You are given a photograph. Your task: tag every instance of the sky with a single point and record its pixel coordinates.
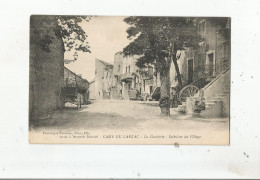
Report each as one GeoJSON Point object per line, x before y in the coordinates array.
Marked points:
{"type": "Point", "coordinates": [106, 36]}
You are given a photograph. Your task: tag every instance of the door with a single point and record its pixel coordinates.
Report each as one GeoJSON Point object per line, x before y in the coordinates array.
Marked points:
{"type": "Point", "coordinates": [190, 71]}
{"type": "Point", "coordinates": [151, 90]}
{"type": "Point", "coordinates": [211, 64]}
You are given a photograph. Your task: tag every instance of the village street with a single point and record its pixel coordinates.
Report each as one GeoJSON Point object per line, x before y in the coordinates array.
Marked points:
{"type": "Point", "coordinates": [116, 80]}
{"type": "Point", "coordinates": [130, 117]}
{"type": "Point", "coordinates": [120, 114]}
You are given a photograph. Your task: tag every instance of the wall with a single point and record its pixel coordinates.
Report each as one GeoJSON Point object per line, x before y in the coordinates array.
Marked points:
{"type": "Point", "coordinates": [107, 81]}
{"type": "Point", "coordinates": [130, 61]}
{"type": "Point", "coordinates": [221, 83]}
{"type": "Point", "coordinates": [220, 87]}
{"type": "Point", "coordinates": [46, 68]}
{"type": "Point", "coordinates": [118, 64]}
{"type": "Point", "coordinates": [92, 90]}
{"type": "Point", "coordinates": [121, 71]}
{"type": "Point", "coordinates": [103, 79]}
{"type": "Point", "coordinates": [99, 72]}
{"type": "Point", "coordinates": [213, 43]}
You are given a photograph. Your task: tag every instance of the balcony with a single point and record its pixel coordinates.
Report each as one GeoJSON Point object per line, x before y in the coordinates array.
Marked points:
{"type": "Point", "coordinates": [126, 77]}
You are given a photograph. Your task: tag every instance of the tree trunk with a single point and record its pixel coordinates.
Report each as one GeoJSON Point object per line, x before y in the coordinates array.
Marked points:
{"type": "Point", "coordinates": [164, 101]}
{"type": "Point", "coordinates": [174, 60]}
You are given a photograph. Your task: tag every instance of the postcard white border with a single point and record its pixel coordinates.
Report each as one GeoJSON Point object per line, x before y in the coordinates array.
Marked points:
{"type": "Point", "coordinates": [19, 159]}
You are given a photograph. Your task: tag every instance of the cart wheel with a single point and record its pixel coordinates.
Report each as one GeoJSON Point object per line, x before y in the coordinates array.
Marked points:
{"type": "Point", "coordinates": [187, 91]}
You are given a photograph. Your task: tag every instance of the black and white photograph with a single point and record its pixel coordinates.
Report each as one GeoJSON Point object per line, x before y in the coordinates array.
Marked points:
{"type": "Point", "coordinates": [139, 89]}
{"type": "Point", "coordinates": [129, 80]}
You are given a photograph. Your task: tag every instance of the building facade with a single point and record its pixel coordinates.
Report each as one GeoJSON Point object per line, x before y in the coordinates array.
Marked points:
{"type": "Point", "coordinates": [208, 66]}
{"type": "Point", "coordinates": [131, 82]}
{"type": "Point", "coordinates": [92, 90]}
{"type": "Point", "coordinates": [103, 79]}
{"type": "Point", "coordinates": [201, 65]}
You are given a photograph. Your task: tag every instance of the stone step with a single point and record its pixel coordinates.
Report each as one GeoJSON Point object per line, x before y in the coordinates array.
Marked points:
{"type": "Point", "coordinates": [209, 104]}
{"type": "Point", "coordinates": [226, 91]}
{"type": "Point", "coordinates": [215, 98]}
{"type": "Point", "coordinates": [211, 101]}
{"type": "Point", "coordinates": [213, 111]}
{"type": "Point", "coordinates": [221, 94]}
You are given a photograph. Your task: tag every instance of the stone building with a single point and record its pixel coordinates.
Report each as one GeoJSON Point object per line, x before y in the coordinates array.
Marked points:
{"type": "Point", "coordinates": [116, 88]}
{"type": "Point", "coordinates": [131, 82]}
{"type": "Point", "coordinates": [201, 65]}
{"type": "Point", "coordinates": [103, 79]}
{"type": "Point", "coordinates": [72, 79]}
{"type": "Point", "coordinates": [92, 90]}
{"type": "Point", "coordinates": [126, 78]}
{"type": "Point", "coordinates": [46, 67]}
{"type": "Point", "coordinates": [208, 67]}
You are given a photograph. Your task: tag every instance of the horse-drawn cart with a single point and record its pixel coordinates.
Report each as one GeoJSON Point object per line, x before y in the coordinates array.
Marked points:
{"type": "Point", "coordinates": [187, 91]}
{"type": "Point", "coordinates": [179, 99]}
{"type": "Point", "coordinates": [72, 95]}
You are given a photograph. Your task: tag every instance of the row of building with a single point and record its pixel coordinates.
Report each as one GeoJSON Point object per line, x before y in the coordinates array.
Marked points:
{"type": "Point", "coordinates": [124, 80]}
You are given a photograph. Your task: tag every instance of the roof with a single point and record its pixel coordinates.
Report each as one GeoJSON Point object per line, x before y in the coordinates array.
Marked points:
{"type": "Point", "coordinates": [75, 74]}
{"type": "Point", "coordinates": [105, 63]}
{"type": "Point", "coordinates": [92, 81]}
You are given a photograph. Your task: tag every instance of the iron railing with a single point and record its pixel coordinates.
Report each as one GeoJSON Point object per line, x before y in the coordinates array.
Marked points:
{"type": "Point", "coordinates": [126, 76]}
{"type": "Point", "coordinates": [203, 73]}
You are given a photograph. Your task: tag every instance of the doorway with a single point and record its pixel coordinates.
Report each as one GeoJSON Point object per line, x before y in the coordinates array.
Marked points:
{"type": "Point", "coordinates": [151, 90]}
{"type": "Point", "coordinates": [211, 63]}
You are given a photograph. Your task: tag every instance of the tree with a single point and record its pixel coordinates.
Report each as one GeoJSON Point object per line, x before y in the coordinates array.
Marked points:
{"type": "Point", "coordinates": [66, 27]}
{"type": "Point", "coordinates": [50, 36]}
{"type": "Point", "coordinates": [156, 40]}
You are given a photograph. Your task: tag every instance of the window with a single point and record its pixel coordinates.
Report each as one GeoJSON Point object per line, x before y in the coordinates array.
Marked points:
{"type": "Point", "coordinates": [129, 69]}
{"type": "Point", "coordinates": [202, 28]}
{"type": "Point", "coordinates": [118, 68]}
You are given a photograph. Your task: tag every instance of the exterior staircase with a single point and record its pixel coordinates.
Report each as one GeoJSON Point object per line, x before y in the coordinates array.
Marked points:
{"type": "Point", "coordinates": [218, 105]}
{"type": "Point", "coordinates": [217, 97]}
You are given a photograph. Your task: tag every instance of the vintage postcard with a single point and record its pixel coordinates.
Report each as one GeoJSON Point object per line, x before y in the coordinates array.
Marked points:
{"type": "Point", "coordinates": [129, 80]}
